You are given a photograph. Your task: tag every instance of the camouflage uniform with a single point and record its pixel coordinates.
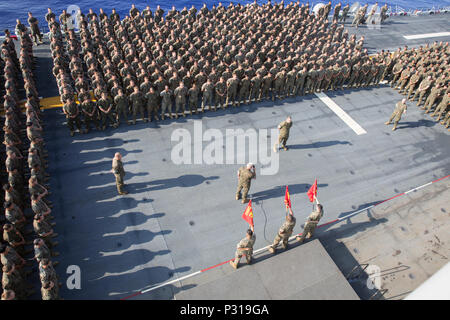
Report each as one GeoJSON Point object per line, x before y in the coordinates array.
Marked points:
{"type": "Point", "coordinates": [207, 97]}
{"type": "Point", "coordinates": [232, 85]}
{"type": "Point", "coordinates": [245, 179]}
{"type": "Point", "coordinates": [193, 99]}
{"type": "Point", "coordinates": [166, 103]}
{"type": "Point", "coordinates": [180, 94]}
{"type": "Point", "coordinates": [105, 103]}
{"type": "Point", "coordinates": [284, 127]}
{"type": "Point", "coordinates": [244, 91]}
{"type": "Point", "coordinates": [152, 105]}
{"type": "Point", "coordinates": [400, 108]}
{"type": "Point", "coordinates": [119, 173]}
{"type": "Point", "coordinates": [121, 102]}
{"type": "Point", "coordinates": [72, 116]}
{"type": "Point", "coordinates": [221, 91]}
{"type": "Point", "coordinates": [244, 243]}
{"type": "Point", "coordinates": [283, 234]}
{"type": "Point", "coordinates": [311, 225]}
{"type": "Point", "coordinates": [137, 102]}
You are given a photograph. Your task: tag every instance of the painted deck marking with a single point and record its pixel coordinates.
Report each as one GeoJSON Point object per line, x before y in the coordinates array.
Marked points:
{"type": "Point", "coordinates": [154, 287]}
{"type": "Point", "coordinates": [427, 35]}
{"type": "Point", "coordinates": [341, 113]}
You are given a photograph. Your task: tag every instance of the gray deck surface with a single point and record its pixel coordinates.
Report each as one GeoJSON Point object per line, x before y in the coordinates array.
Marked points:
{"type": "Point", "coordinates": [304, 272]}
{"type": "Point", "coordinates": [179, 219]}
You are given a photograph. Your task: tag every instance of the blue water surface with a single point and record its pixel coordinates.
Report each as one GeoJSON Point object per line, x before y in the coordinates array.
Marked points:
{"type": "Point", "coordinates": [12, 10]}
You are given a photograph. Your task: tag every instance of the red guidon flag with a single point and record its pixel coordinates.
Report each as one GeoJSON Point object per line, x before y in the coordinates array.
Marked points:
{"type": "Point", "coordinates": [312, 192]}
{"type": "Point", "coordinates": [287, 198]}
{"type": "Point", "coordinates": [248, 214]}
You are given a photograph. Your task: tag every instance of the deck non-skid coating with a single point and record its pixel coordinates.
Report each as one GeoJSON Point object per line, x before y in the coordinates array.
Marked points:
{"type": "Point", "coordinates": [303, 272]}
{"type": "Point", "coordinates": [179, 219]}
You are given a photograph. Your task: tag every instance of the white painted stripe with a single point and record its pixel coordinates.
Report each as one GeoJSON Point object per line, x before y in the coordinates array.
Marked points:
{"type": "Point", "coordinates": [341, 113]}
{"type": "Point", "coordinates": [427, 35]}
{"type": "Point", "coordinates": [170, 282]}
{"type": "Point", "coordinates": [415, 189]}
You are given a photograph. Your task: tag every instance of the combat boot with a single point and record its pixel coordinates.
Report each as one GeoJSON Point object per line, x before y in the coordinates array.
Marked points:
{"type": "Point", "coordinates": [395, 127]}
{"type": "Point", "coordinates": [184, 115]}
{"type": "Point", "coordinates": [299, 239]}
{"type": "Point", "coordinates": [176, 115]}
{"type": "Point", "coordinates": [387, 123]}
{"type": "Point", "coordinates": [275, 149]}
{"type": "Point", "coordinates": [72, 133]}
{"type": "Point", "coordinates": [249, 260]}
{"type": "Point", "coordinates": [245, 200]}
{"type": "Point", "coordinates": [272, 250]}
{"type": "Point", "coordinates": [234, 265]}
{"type": "Point", "coordinates": [285, 148]}
{"type": "Point", "coordinates": [238, 196]}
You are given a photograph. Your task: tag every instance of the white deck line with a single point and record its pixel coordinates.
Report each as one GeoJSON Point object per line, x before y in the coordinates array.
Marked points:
{"type": "Point", "coordinates": [341, 113]}
{"type": "Point", "coordinates": [427, 35]}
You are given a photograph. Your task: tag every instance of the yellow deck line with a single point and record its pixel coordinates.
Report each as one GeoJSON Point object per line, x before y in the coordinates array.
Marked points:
{"type": "Point", "coordinates": [53, 102]}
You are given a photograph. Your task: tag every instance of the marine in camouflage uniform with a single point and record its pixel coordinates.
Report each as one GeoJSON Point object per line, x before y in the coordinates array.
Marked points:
{"type": "Point", "coordinates": [70, 109]}
{"type": "Point", "coordinates": [232, 86]}
{"type": "Point", "coordinates": [244, 248]}
{"type": "Point", "coordinates": [412, 84]}
{"type": "Point", "coordinates": [244, 91]}
{"type": "Point", "coordinates": [166, 103]}
{"type": "Point", "coordinates": [279, 85]}
{"type": "Point", "coordinates": [119, 173]}
{"type": "Point", "coordinates": [345, 11]}
{"type": "Point", "coordinates": [180, 94]}
{"type": "Point", "coordinates": [90, 112]}
{"type": "Point", "coordinates": [290, 89]}
{"type": "Point", "coordinates": [193, 93]}
{"type": "Point", "coordinates": [221, 91]}
{"type": "Point", "coordinates": [284, 128]}
{"type": "Point", "coordinates": [441, 107]}
{"type": "Point", "coordinates": [245, 176]}
{"type": "Point", "coordinates": [152, 104]}
{"type": "Point", "coordinates": [106, 111]}
{"type": "Point", "coordinates": [266, 86]}
{"type": "Point", "coordinates": [400, 109]}
{"type": "Point", "coordinates": [50, 291]}
{"type": "Point", "coordinates": [311, 223]}
{"type": "Point", "coordinates": [256, 83]}
{"type": "Point", "coordinates": [137, 100]}
{"type": "Point", "coordinates": [432, 98]}
{"type": "Point", "coordinates": [284, 232]}
{"type": "Point", "coordinates": [121, 103]}
{"type": "Point", "coordinates": [424, 85]}
{"type": "Point", "coordinates": [207, 95]}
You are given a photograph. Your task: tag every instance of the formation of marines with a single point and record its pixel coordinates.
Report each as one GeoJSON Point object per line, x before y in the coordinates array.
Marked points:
{"type": "Point", "coordinates": [148, 66]}
{"type": "Point", "coordinates": [24, 178]}
{"type": "Point", "coordinates": [245, 246]}
{"type": "Point", "coordinates": [423, 74]}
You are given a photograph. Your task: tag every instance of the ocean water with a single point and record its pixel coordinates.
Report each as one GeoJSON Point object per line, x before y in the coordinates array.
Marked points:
{"type": "Point", "coordinates": [12, 10]}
